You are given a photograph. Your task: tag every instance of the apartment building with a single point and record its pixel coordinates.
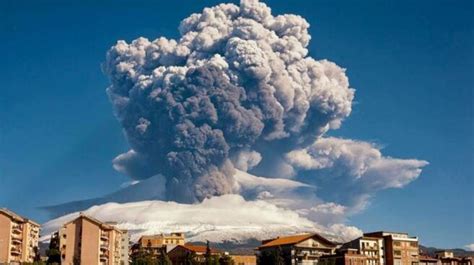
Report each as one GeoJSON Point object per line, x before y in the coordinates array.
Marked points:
{"type": "Point", "coordinates": [18, 238]}
{"type": "Point", "coordinates": [156, 242]}
{"type": "Point", "coordinates": [345, 256]}
{"type": "Point", "coordinates": [400, 248]}
{"type": "Point", "coordinates": [297, 249]}
{"type": "Point", "coordinates": [88, 241]}
{"type": "Point", "coordinates": [371, 247]}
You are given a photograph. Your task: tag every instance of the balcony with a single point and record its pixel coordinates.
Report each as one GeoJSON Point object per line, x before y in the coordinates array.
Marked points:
{"type": "Point", "coordinates": [369, 248]}
{"type": "Point", "coordinates": [104, 236]}
{"type": "Point", "coordinates": [17, 229]}
{"type": "Point", "coordinates": [104, 256]}
{"type": "Point", "coordinates": [16, 240]}
{"type": "Point", "coordinates": [15, 251]}
{"type": "Point", "coordinates": [104, 246]}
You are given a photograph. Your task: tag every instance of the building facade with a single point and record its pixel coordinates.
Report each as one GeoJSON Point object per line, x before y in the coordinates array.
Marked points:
{"type": "Point", "coordinates": [191, 254]}
{"type": "Point", "coordinates": [400, 249]}
{"type": "Point", "coordinates": [299, 249]}
{"type": "Point", "coordinates": [447, 258]}
{"type": "Point", "coordinates": [88, 241]}
{"type": "Point", "coordinates": [244, 259]}
{"type": "Point", "coordinates": [344, 257]}
{"type": "Point", "coordinates": [371, 247]}
{"type": "Point", "coordinates": [156, 242]}
{"type": "Point", "coordinates": [18, 238]}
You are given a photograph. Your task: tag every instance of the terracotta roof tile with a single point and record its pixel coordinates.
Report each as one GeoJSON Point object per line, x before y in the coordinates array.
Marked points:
{"type": "Point", "coordinates": [289, 240]}
{"type": "Point", "coordinates": [201, 249]}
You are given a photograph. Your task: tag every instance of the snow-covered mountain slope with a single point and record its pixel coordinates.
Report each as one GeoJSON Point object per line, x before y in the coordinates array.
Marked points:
{"type": "Point", "coordinates": [228, 217]}
{"type": "Point", "coordinates": [154, 189]}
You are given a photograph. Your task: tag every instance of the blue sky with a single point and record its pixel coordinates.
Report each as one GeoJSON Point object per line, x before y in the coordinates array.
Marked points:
{"type": "Point", "coordinates": [411, 63]}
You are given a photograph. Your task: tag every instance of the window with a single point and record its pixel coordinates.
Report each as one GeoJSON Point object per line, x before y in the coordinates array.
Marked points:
{"type": "Point", "coordinates": [397, 253]}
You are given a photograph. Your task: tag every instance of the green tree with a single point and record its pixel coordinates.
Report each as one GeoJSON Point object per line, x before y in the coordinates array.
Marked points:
{"type": "Point", "coordinates": [53, 253]}
{"type": "Point", "coordinates": [190, 258]}
{"type": "Point", "coordinates": [208, 254]}
{"type": "Point", "coordinates": [164, 259]}
{"type": "Point", "coordinates": [143, 257]}
{"type": "Point", "coordinates": [271, 257]}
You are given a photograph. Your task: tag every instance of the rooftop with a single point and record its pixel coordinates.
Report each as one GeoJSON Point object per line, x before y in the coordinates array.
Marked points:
{"type": "Point", "coordinates": [290, 240]}
{"type": "Point", "coordinates": [17, 217]}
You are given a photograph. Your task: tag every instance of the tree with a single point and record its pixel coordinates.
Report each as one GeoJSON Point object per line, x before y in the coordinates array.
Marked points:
{"type": "Point", "coordinates": [164, 259]}
{"type": "Point", "coordinates": [190, 258]}
{"type": "Point", "coordinates": [278, 257]}
{"type": "Point", "coordinates": [208, 254]}
{"type": "Point", "coordinates": [272, 257]}
{"type": "Point", "coordinates": [37, 254]}
{"type": "Point", "coordinates": [142, 257]}
{"type": "Point", "coordinates": [53, 253]}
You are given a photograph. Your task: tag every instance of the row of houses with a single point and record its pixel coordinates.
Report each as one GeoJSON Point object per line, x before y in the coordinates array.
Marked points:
{"type": "Point", "coordinates": [86, 240]}
{"type": "Point", "coordinates": [376, 248]}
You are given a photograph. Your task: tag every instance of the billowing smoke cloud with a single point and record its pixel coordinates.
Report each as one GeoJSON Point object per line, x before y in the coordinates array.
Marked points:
{"type": "Point", "coordinates": [358, 169]}
{"type": "Point", "coordinates": [237, 82]}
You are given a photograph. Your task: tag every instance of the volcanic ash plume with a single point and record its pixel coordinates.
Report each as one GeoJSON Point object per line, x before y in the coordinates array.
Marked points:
{"type": "Point", "coordinates": [237, 81]}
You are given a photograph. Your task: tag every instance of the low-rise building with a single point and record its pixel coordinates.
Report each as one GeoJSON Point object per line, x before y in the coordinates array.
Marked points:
{"type": "Point", "coordinates": [244, 259]}
{"type": "Point", "coordinates": [427, 260]}
{"type": "Point", "coordinates": [86, 240]}
{"type": "Point", "coordinates": [18, 238]}
{"type": "Point", "coordinates": [183, 254]}
{"type": "Point", "coordinates": [447, 258]}
{"type": "Point", "coordinates": [344, 257]}
{"type": "Point", "coordinates": [156, 242]}
{"type": "Point", "coordinates": [297, 249]}
{"type": "Point", "coordinates": [371, 247]}
{"type": "Point", "coordinates": [400, 249]}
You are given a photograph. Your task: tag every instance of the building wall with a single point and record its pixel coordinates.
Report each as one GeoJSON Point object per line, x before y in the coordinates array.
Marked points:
{"type": "Point", "coordinates": [157, 241]}
{"type": "Point", "coordinates": [30, 240]}
{"type": "Point", "coordinates": [124, 248]}
{"type": "Point", "coordinates": [18, 237]}
{"type": "Point", "coordinates": [401, 252]}
{"type": "Point", "coordinates": [244, 259]}
{"type": "Point", "coordinates": [90, 242]}
{"type": "Point", "coordinates": [5, 238]}
{"type": "Point", "coordinates": [69, 242]}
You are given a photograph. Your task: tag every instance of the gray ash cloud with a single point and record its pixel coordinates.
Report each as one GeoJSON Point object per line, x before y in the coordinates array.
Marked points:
{"type": "Point", "coordinates": [236, 87]}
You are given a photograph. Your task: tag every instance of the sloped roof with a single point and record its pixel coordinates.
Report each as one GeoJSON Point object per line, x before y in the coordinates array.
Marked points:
{"type": "Point", "coordinates": [195, 248]}
{"type": "Point", "coordinates": [99, 223]}
{"type": "Point", "coordinates": [17, 217]}
{"type": "Point", "coordinates": [291, 240]}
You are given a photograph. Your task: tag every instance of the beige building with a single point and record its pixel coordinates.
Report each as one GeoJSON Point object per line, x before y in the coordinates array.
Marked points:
{"type": "Point", "coordinates": [371, 247]}
{"type": "Point", "coordinates": [18, 238]}
{"type": "Point", "coordinates": [244, 259]}
{"type": "Point", "coordinates": [156, 242]}
{"type": "Point", "coordinates": [400, 249]}
{"type": "Point", "coordinates": [88, 241]}
{"type": "Point", "coordinates": [346, 256]}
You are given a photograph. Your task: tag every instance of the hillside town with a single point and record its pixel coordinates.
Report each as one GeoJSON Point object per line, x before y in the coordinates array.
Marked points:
{"type": "Point", "coordinates": [88, 241]}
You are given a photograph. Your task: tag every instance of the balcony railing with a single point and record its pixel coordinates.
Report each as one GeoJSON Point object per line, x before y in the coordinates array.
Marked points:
{"type": "Point", "coordinates": [16, 240]}
{"type": "Point", "coordinates": [17, 229]}
{"type": "Point", "coordinates": [15, 251]}
{"type": "Point", "coordinates": [104, 236]}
